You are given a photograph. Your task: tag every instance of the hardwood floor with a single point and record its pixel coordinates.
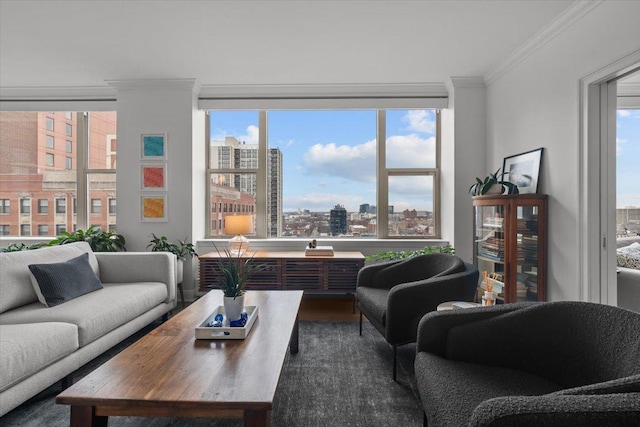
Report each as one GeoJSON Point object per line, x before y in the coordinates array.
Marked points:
{"type": "Point", "coordinates": [313, 308]}
{"type": "Point", "coordinates": [317, 308]}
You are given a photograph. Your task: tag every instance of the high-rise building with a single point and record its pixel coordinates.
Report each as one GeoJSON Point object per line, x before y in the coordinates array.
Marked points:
{"type": "Point", "coordinates": [234, 154]}
{"type": "Point", "coordinates": [338, 220]}
{"type": "Point", "coordinates": [38, 172]}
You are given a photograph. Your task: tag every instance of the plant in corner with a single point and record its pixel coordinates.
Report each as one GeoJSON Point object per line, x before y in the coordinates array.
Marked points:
{"type": "Point", "coordinates": [99, 240]}
{"type": "Point", "coordinates": [182, 249]}
{"type": "Point", "coordinates": [492, 185]}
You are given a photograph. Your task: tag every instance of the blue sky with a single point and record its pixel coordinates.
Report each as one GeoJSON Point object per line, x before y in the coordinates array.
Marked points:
{"type": "Point", "coordinates": [628, 158]}
{"type": "Point", "coordinates": [330, 156]}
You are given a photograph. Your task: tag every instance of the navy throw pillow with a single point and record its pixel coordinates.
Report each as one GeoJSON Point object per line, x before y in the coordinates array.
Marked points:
{"type": "Point", "coordinates": [63, 281]}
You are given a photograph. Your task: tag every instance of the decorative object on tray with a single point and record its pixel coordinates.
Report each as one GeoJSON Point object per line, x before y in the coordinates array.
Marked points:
{"type": "Point", "coordinates": [493, 185]}
{"type": "Point", "coordinates": [235, 272]}
{"type": "Point", "coordinates": [523, 170]}
{"type": "Point", "coordinates": [218, 325]}
{"type": "Point", "coordinates": [315, 250]}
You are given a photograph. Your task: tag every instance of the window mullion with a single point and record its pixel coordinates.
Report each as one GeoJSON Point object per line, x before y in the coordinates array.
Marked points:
{"type": "Point", "coordinates": [261, 177]}
{"type": "Point", "coordinates": [382, 178]}
{"type": "Point", "coordinates": [82, 187]}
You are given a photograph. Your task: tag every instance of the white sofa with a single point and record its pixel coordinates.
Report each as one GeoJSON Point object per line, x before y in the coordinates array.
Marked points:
{"type": "Point", "coordinates": [628, 278]}
{"type": "Point", "coordinates": [41, 345]}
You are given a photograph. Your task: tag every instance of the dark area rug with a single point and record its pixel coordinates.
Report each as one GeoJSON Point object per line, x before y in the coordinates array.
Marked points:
{"type": "Point", "coordinates": [337, 379]}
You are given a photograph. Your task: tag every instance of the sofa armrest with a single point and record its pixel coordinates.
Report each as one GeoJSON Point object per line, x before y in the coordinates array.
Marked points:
{"type": "Point", "coordinates": [129, 267]}
{"type": "Point", "coordinates": [434, 327]}
{"type": "Point", "coordinates": [366, 273]}
{"type": "Point", "coordinates": [409, 302]}
{"type": "Point", "coordinates": [552, 410]}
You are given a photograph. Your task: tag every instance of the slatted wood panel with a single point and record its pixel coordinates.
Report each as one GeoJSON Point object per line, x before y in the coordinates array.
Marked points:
{"type": "Point", "coordinates": [293, 270]}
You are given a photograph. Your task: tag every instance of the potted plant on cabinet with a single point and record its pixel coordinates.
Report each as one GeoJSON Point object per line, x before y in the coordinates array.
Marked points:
{"type": "Point", "coordinates": [234, 274]}
{"type": "Point", "coordinates": [492, 185]}
{"type": "Point", "coordinates": [182, 249]}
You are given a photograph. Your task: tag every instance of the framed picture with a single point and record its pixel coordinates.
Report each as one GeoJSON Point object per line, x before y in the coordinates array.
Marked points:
{"type": "Point", "coordinates": [153, 177]}
{"type": "Point", "coordinates": [153, 208]}
{"type": "Point", "coordinates": [523, 170]}
{"type": "Point", "coordinates": [153, 146]}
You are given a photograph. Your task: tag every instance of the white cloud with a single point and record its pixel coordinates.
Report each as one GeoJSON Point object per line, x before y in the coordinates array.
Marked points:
{"type": "Point", "coordinates": [251, 137]}
{"type": "Point", "coordinates": [619, 142]}
{"type": "Point", "coordinates": [355, 163]}
{"type": "Point", "coordinates": [411, 151]}
{"type": "Point", "coordinates": [420, 121]}
{"type": "Point", "coordinates": [624, 113]}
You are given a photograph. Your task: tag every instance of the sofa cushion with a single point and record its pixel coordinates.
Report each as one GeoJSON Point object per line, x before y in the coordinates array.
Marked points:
{"type": "Point", "coordinates": [26, 349]}
{"type": "Point", "coordinates": [96, 313]}
{"type": "Point", "coordinates": [451, 390]}
{"type": "Point", "coordinates": [15, 281]}
{"type": "Point", "coordinates": [59, 282]}
{"type": "Point", "coordinates": [375, 301]}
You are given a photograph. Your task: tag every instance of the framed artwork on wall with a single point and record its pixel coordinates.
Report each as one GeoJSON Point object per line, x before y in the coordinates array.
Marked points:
{"type": "Point", "coordinates": [523, 170]}
{"type": "Point", "coordinates": [153, 177]}
{"type": "Point", "coordinates": [153, 146]}
{"type": "Point", "coordinates": [153, 208]}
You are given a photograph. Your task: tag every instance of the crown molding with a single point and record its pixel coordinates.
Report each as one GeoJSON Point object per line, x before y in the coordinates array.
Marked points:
{"type": "Point", "coordinates": [346, 90]}
{"type": "Point", "coordinates": [58, 93]}
{"type": "Point", "coordinates": [568, 17]}
{"type": "Point", "coordinates": [133, 84]}
{"type": "Point", "coordinates": [477, 82]}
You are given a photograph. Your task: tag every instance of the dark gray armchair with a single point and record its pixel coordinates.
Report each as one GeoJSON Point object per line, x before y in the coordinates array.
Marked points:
{"type": "Point", "coordinates": [530, 364]}
{"type": "Point", "coordinates": [395, 295]}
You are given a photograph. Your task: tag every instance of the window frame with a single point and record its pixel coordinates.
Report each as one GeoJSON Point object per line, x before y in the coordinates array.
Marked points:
{"type": "Point", "coordinates": [5, 206]}
{"type": "Point", "coordinates": [382, 176]}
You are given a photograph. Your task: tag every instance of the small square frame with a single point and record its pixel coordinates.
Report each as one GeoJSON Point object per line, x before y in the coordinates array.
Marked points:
{"type": "Point", "coordinates": [153, 146]}
{"type": "Point", "coordinates": [523, 170]}
{"type": "Point", "coordinates": [153, 208]}
{"type": "Point", "coordinates": [153, 177]}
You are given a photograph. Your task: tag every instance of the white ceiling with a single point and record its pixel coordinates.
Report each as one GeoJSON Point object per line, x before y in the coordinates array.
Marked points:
{"type": "Point", "coordinates": [83, 43]}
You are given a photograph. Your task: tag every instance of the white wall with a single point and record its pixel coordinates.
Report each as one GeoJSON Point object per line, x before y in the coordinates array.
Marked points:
{"type": "Point", "coordinates": [536, 104]}
{"type": "Point", "coordinates": [161, 106]}
{"type": "Point", "coordinates": [463, 158]}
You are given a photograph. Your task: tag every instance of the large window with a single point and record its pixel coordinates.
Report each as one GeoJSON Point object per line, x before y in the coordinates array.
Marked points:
{"type": "Point", "coordinates": [627, 173]}
{"type": "Point", "coordinates": [41, 174]}
{"type": "Point", "coordinates": [324, 173]}
{"type": "Point", "coordinates": [5, 206]}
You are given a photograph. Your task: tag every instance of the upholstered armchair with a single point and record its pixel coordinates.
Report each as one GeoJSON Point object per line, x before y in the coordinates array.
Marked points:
{"type": "Point", "coordinates": [530, 364]}
{"type": "Point", "coordinates": [395, 295]}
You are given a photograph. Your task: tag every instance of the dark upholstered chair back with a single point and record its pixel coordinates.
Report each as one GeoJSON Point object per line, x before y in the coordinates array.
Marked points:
{"type": "Point", "coordinates": [417, 268]}
{"type": "Point", "coordinates": [570, 343]}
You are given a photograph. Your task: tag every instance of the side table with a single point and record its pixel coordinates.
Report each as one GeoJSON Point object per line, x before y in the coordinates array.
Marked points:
{"type": "Point", "coordinates": [449, 305]}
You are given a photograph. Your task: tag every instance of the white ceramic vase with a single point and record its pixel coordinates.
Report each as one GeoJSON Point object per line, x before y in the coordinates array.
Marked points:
{"type": "Point", "coordinates": [233, 307]}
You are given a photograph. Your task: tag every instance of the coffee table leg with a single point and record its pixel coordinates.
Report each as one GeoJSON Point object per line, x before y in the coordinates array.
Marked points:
{"type": "Point", "coordinates": [293, 343]}
{"type": "Point", "coordinates": [256, 419]}
{"type": "Point", "coordinates": [85, 416]}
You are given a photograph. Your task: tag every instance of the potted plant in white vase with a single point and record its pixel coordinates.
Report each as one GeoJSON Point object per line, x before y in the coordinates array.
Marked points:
{"type": "Point", "coordinates": [492, 185]}
{"type": "Point", "coordinates": [234, 274]}
{"type": "Point", "coordinates": [182, 249]}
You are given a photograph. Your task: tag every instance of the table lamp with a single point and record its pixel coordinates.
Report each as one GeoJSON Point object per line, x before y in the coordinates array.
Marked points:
{"type": "Point", "coordinates": [238, 225]}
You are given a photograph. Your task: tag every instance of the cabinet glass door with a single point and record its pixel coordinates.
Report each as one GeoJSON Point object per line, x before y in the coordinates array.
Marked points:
{"type": "Point", "coordinates": [527, 253]}
{"type": "Point", "coordinates": [490, 248]}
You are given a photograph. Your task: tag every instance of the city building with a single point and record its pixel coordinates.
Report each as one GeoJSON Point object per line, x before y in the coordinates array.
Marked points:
{"type": "Point", "coordinates": [38, 173]}
{"type": "Point", "coordinates": [234, 154]}
{"type": "Point", "coordinates": [338, 220]}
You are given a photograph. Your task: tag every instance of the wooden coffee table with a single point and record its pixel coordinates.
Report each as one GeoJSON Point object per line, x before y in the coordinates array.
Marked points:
{"type": "Point", "coordinates": [168, 373]}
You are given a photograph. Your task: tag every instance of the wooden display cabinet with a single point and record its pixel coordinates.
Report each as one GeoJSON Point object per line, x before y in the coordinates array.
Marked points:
{"type": "Point", "coordinates": [292, 270]}
{"type": "Point", "coordinates": [510, 243]}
